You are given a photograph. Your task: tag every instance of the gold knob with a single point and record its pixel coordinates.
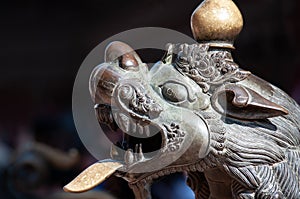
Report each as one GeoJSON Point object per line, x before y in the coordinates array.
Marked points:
{"type": "Point", "coordinates": [217, 22]}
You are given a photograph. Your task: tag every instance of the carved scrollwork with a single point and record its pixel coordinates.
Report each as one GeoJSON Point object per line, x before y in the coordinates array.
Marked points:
{"type": "Point", "coordinates": [175, 137]}
{"type": "Point", "coordinates": [139, 103]}
{"type": "Point", "coordinates": [206, 67]}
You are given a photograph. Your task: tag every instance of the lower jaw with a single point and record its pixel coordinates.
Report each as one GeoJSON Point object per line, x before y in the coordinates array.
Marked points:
{"type": "Point", "coordinates": [141, 184]}
{"type": "Point", "coordinates": [135, 178]}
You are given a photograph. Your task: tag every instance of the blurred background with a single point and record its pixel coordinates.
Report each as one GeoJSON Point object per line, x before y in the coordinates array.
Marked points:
{"type": "Point", "coordinates": [43, 44]}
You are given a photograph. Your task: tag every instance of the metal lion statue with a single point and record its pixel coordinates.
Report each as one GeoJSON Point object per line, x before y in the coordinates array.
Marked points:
{"type": "Point", "coordinates": [196, 111]}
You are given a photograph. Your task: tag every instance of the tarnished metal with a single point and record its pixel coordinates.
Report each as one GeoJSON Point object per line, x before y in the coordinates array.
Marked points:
{"type": "Point", "coordinates": [236, 135]}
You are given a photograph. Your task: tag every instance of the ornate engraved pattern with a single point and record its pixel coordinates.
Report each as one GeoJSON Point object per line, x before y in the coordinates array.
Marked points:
{"type": "Point", "coordinates": [138, 101]}
{"type": "Point", "coordinates": [206, 67]}
{"type": "Point", "coordinates": [197, 182]}
{"type": "Point", "coordinates": [175, 137]}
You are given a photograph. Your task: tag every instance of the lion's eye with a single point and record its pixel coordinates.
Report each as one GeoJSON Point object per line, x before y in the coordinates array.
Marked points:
{"type": "Point", "coordinates": [174, 92]}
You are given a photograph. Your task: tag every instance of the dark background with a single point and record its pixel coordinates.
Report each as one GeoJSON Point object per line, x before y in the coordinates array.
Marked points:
{"type": "Point", "coordinates": [43, 44]}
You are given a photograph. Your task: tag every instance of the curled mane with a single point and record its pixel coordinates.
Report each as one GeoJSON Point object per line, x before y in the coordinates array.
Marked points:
{"type": "Point", "coordinates": [253, 146]}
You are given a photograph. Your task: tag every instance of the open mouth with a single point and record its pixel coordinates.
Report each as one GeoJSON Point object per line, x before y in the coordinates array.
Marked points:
{"type": "Point", "coordinates": [134, 140]}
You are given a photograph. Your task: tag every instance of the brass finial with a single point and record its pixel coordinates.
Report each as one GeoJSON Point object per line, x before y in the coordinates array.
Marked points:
{"type": "Point", "coordinates": [217, 22]}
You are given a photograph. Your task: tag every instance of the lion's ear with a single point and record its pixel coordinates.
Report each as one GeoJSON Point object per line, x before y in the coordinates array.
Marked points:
{"type": "Point", "coordinates": [244, 103]}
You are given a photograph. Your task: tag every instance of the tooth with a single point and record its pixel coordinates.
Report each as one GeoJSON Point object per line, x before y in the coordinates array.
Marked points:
{"type": "Point", "coordinates": [136, 152]}
{"type": "Point", "coordinates": [115, 116]}
{"type": "Point", "coordinates": [140, 129]}
{"type": "Point", "coordinates": [128, 157]}
{"type": "Point", "coordinates": [113, 151]}
{"type": "Point", "coordinates": [140, 155]}
{"type": "Point", "coordinates": [124, 122]}
{"type": "Point", "coordinates": [147, 130]}
{"type": "Point", "coordinates": [133, 127]}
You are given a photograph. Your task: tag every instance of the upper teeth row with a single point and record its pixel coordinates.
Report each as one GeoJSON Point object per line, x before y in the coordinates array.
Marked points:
{"type": "Point", "coordinates": [128, 125]}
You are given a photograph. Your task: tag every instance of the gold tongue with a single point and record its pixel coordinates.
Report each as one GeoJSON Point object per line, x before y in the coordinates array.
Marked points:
{"type": "Point", "coordinates": [92, 176]}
